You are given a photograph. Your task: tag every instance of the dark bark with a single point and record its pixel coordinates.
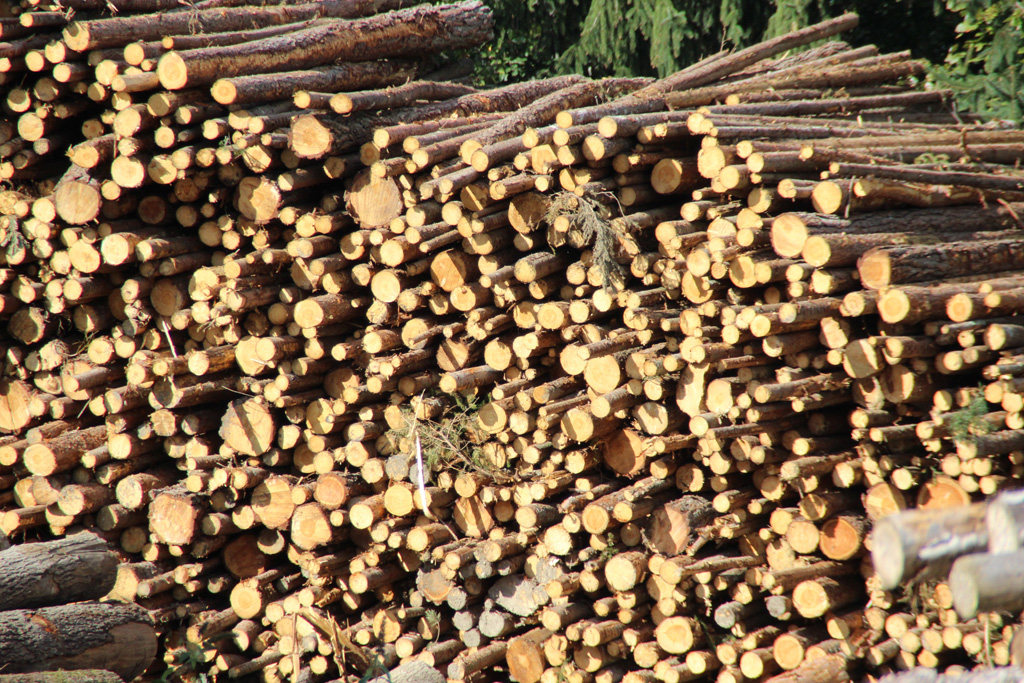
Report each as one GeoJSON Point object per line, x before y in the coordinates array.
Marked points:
{"type": "Point", "coordinates": [838, 76]}
{"type": "Point", "coordinates": [118, 31]}
{"type": "Point", "coordinates": [838, 105]}
{"type": "Point", "coordinates": [884, 266]}
{"type": "Point", "coordinates": [315, 135]}
{"type": "Point", "coordinates": [277, 86]}
{"type": "Point", "coordinates": [70, 569]}
{"type": "Point", "coordinates": [544, 109]}
{"type": "Point", "coordinates": [924, 175]}
{"type": "Point", "coordinates": [404, 33]}
{"type": "Point", "coordinates": [404, 96]}
{"type": "Point", "coordinates": [80, 636]}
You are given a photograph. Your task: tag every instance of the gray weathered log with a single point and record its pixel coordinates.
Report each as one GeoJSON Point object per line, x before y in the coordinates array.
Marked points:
{"type": "Point", "coordinates": [1005, 522]}
{"type": "Point", "coordinates": [410, 672]}
{"type": "Point", "coordinates": [909, 542]}
{"type": "Point", "coordinates": [985, 582]}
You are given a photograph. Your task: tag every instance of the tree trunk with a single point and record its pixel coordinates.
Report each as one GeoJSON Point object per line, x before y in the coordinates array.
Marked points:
{"type": "Point", "coordinates": [277, 86]}
{"type": "Point", "coordinates": [456, 26]}
{"type": "Point", "coordinates": [118, 31]}
{"type": "Point", "coordinates": [83, 635]}
{"type": "Point", "coordinates": [70, 569]}
{"type": "Point", "coordinates": [885, 266]}
{"type": "Point", "coordinates": [906, 543]}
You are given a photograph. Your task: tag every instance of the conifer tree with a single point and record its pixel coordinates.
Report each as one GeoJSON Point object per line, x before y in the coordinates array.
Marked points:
{"type": "Point", "coordinates": [985, 66]}
{"type": "Point", "coordinates": [978, 45]}
{"type": "Point", "coordinates": [657, 37]}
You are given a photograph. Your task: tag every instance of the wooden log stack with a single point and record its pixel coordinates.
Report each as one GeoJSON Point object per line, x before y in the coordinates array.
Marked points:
{"type": "Point", "coordinates": [567, 380]}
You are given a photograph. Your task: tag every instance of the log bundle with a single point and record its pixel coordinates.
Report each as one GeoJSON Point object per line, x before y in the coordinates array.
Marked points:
{"type": "Point", "coordinates": [365, 371]}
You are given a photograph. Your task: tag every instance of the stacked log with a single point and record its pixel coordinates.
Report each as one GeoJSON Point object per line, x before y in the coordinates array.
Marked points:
{"type": "Point", "coordinates": [567, 380]}
{"type": "Point", "coordinates": [51, 621]}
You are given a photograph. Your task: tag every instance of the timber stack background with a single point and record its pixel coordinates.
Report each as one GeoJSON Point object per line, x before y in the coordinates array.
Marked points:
{"type": "Point", "coordinates": [670, 347]}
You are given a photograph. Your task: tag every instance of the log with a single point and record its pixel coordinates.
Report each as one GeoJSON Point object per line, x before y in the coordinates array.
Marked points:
{"type": "Point", "coordinates": [245, 89]}
{"type": "Point", "coordinates": [672, 527]}
{"type": "Point", "coordinates": [83, 635]}
{"type": "Point", "coordinates": [790, 231]}
{"type": "Point", "coordinates": [90, 35]}
{"type": "Point", "coordinates": [411, 672]}
{"type": "Point", "coordinates": [981, 582]}
{"type": "Point", "coordinates": [828, 668]}
{"type": "Point", "coordinates": [387, 35]}
{"type": "Point", "coordinates": [884, 266]}
{"type": "Point", "coordinates": [678, 635]}
{"type": "Point", "coordinates": [925, 540]}
{"type": "Point", "coordinates": [525, 655]}
{"type": "Point", "coordinates": [70, 569]}
{"type": "Point", "coordinates": [1003, 522]}
{"type": "Point", "coordinates": [77, 676]}
{"type": "Point", "coordinates": [292, 423]}
{"type": "Point", "coordinates": [930, 675]}
{"type": "Point", "coordinates": [77, 197]}
{"type": "Point", "coordinates": [248, 427]}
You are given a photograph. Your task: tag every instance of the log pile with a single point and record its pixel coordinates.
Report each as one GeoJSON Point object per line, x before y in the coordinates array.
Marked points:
{"type": "Point", "coordinates": [568, 380]}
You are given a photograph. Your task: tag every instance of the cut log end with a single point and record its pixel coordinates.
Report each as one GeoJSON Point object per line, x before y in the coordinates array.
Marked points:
{"type": "Point", "coordinates": [78, 201]}
{"type": "Point", "coordinates": [172, 71]}
{"type": "Point", "coordinates": [874, 268]}
{"type": "Point", "coordinates": [374, 202]}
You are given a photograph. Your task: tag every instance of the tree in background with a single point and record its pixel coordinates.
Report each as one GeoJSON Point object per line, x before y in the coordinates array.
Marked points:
{"type": "Point", "coordinates": [977, 45]}
{"type": "Point", "coordinates": [658, 37]}
{"type": "Point", "coordinates": [529, 36]}
{"type": "Point", "coordinates": [985, 65]}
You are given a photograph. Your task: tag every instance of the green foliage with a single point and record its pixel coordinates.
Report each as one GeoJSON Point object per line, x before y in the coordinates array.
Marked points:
{"type": "Point", "coordinates": [985, 65]}
{"type": "Point", "coordinates": [978, 44]}
{"type": "Point", "coordinates": [611, 549]}
{"type": "Point", "coordinates": [188, 664]}
{"type": "Point", "coordinates": [592, 219]}
{"type": "Point", "coordinates": [433, 618]}
{"type": "Point", "coordinates": [659, 37]}
{"type": "Point", "coordinates": [645, 37]}
{"type": "Point", "coordinates": [969, 422]}
{"type": "Point", "coordinates": [529, 35]}
{"type": "Point", "coordinates": [11, 239]}
{"type": "Point", "coordinates": [789, 15]}
{"type": "Point", "coordinates": [376, 669]}
{"type": "Point", "coordinates": [449, 442]}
